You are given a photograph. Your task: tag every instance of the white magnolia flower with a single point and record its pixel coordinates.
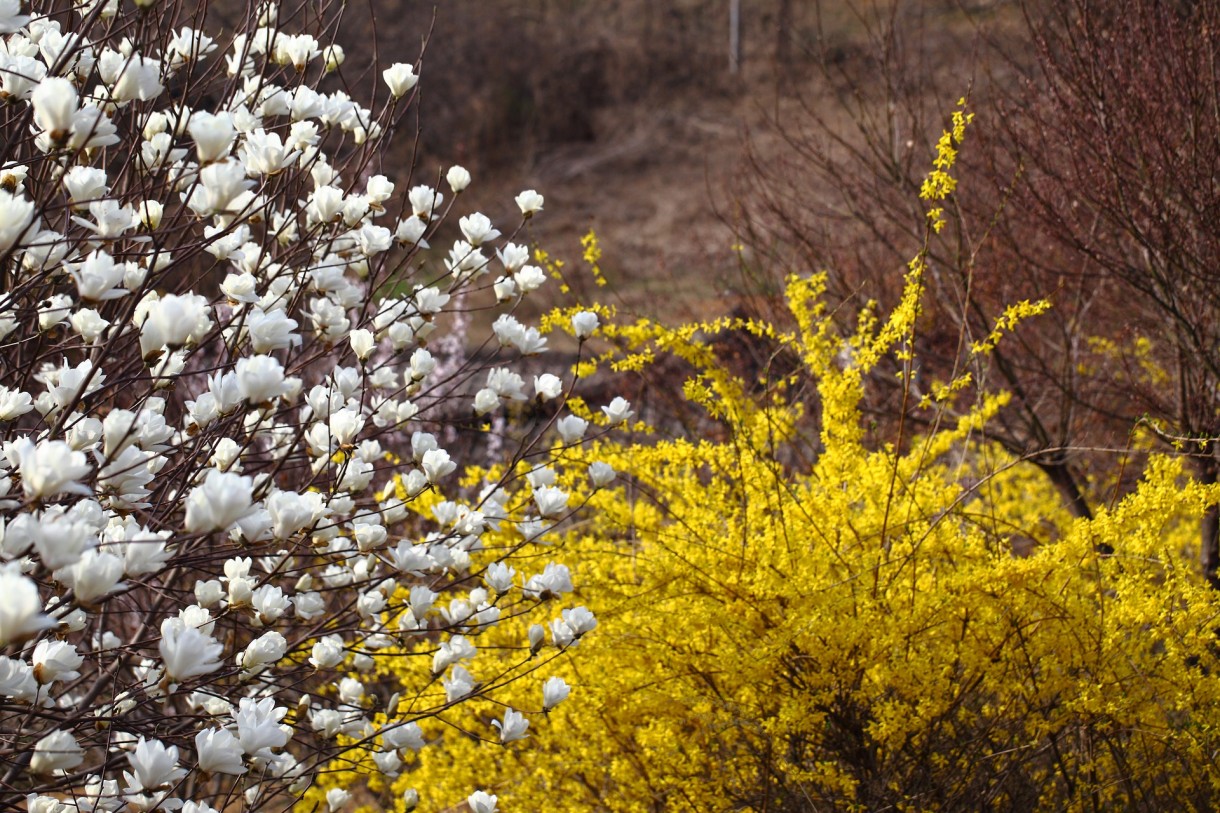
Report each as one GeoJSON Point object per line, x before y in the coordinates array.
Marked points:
{"type": "Point", "coordinates": [149, 212]}
{"type": "Point", "coordinates": [551, 501]}
{"type": "Point", "coordinates": [23, 73]}
{"type": "Point", "coordinates": [400, 78]}
{"type": "Point", "coordinates": [219, 502]}
{"type": "Point", "coordinates": [362, 343]}
{"type": "Point", "coordinates": [398, 737]}
{"type": "Point", "coordinates": [333, 56]}
{"type": "Point", "coordinates": [154, 766]}
{"type": "Point", "coordinates": [264, 153]}
{"type": "Point", "coordinates": [410, 231]}
{"type": "Point", "coordinates": [458, 684]}
{"type": "Point", "coordinates": [458, 648]}
{"type": "Point", "coordinates": [499, 577]}
{"type": "Point", "coordinates": [601, 474]}
{"type": "Point", "coordinates": [337, 799]}
{"type": "Point", "coordinates": [55, 105]}
{"type": "Point", "coordinates": [548, 386]}
{"type": "Point", "coordinates": [486, 400]}
{"type": "Point", "coordinates": [436, 464]}
{"type": "Point", "coordinates": [214, 135]}
{"type": "Point", "coordinates": [529, 278]}
{"type": "Point", "coordinates": [172, 321]}
{"type": "Point", "coordinates": [219, 752]}
{"type": "Point", "coordinates": [482, 802]}
{"type": "Point", "coordinates": [88, 324]}
{"type": "Point", "coordinates": [14, 403]}
{"type": "Point", "coordinates": [16, 218]}
{"type": "Point", "coordinates": [95, 575]}
{"type": "Point", "coordinates": [258, 725]}
{"type": "Point", "coordinates": [478, 229]}
{"type": "Point", "coordinates": [55, 660]}
{"type": "Point", "coordinates": [580, 620]}
{"type": "Point", "coordinates": [130, 76]}
{"type": "Point", "coordinates": [512, 727]}
{"type": "Point", "coordinates": [571, 428]}
{"type": "Point", "coordinates": [11, 20]}
{"type": "Point", "coordinates": [530, 203]}
{"type": "Point", "coordinates": [268, 331]}
{"type": "Point", "coordinates": [189, 45]}
{"type": "Point", "coordinates": [98, 277]}
{"type": "Point", "coordinates": [554, 580]}
{"type": "Point", "coordinates": [269, 602]}
{"type": "Point", "coordinates": [263, 651]}
{"type": "Point", "coordinates": [327, 652]}
{"type": "Point", "coordinates": [260, 379]}
{"type": "Point", "coordinates": [425, 201]}
{"type": "Point", "coordinates": [187, 652]}
{"type": "Point", "coordinates": [51, 468]}
{"type": "Point", "coordinates": [458, 178]}
{"type": "Point", "coordinates": [536, 635]}
{"type": "Point", "coordinates": [618, 411]}
{"type": "Point", "coordinates": [296, 49]}
{"type": "Point", "coordinates": [584, 324]}
{"type": "Point", "coordinates": [554, 691]}
{"type": "Point", "coordinates": [85, 185]}
{"type": "Point", "coordinates": [55, 752]}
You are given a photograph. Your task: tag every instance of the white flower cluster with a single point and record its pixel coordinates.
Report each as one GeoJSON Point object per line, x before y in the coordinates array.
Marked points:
{"type": "Point", "coordinates": [224, 383]}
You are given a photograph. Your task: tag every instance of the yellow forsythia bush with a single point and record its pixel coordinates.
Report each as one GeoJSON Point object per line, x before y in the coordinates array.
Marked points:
{"type": "Point", "coordinates": [794, 618]}
{"type": "Point", "coordinates": [857, 633]}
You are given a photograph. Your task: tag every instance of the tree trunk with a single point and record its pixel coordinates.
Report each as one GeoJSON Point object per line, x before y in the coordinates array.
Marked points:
{"type": "Point", "coordinates": [1065, 483]}
{"type": "Point", "coordinates": [1209, 527]}
{"type": "Point", "coordinates": [783, 35]}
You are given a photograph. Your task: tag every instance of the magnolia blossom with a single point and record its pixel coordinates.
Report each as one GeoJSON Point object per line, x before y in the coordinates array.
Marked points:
{"type": "Point", "coordinates": [437, 464]}
{"type": "Point", "coordinates": [16, 217]}
{"type": "Point", "coordinates": [52, 467]}
{"type": "Point", "coordinates": [55, 104]}
{"type": "Point", "coordinates": [408, 736]}
{"type": "Point", "coordinates": [222, 499]}
{"type": "Point", "coordinates": [258, 727]}
{"type": "Point", "coordinates": [571, 428]}
{"type": "Point", "coordinates": [584, 324]}
{"type": "Point", "coordinates": [618, 410]}
{"type": "Point", "coordinates": [400, 78]}
{"type": "Point", "coordinates": [154, 766]}
{"type": "Point", "coordinates": [530, 202]}
{"type": "Point", "coordinates": [482, 802]}
{"type": "Point", "coordinates": [219, 752]}
{"type": "Point", "coordinates": [173, 321]}
{"type": "Point", "coordinates": [187, 652]}
{"type": "Point", "coordinates": [10, 18]}
{"type": "Point", "coordinates": [601, 474]}
{"type": "Point", "coordinates": [458, 178]}
{"type": "Point", "coordinates": [55, 752]}
{"type": "Point", "coordinates": [550, 501]}
{"type": "Point", "coordinates": [512, 727]}
{"type": "Point", "coordinates": [362, 343]}
{"type": "Point", "coordinates": [55, 660]}
{"type": "Point", "coordinates": [263, 651]}
{"type": "Point", "coordinates": [337, 799]}
{"type": "Point", "coordinates": [554, 691]}
{"type": "Point", "coordinates": [224, 347]}
{"type": "Point", "coordinates": [458, 684]}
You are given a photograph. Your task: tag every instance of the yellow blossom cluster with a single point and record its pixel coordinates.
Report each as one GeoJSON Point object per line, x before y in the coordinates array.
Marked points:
{"type": "Point", "coordinates": [795, 616]}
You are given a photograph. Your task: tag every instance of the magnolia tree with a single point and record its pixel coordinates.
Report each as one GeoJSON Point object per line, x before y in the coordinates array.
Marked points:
{"type": "Point", "coordinates": [230, 366]}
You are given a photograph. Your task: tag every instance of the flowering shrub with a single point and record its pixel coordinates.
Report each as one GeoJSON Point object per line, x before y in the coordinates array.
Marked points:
{"type": "Point", "coordinates": [230, 371]}
{"type": "Point", "coordinates": [796, 616]}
